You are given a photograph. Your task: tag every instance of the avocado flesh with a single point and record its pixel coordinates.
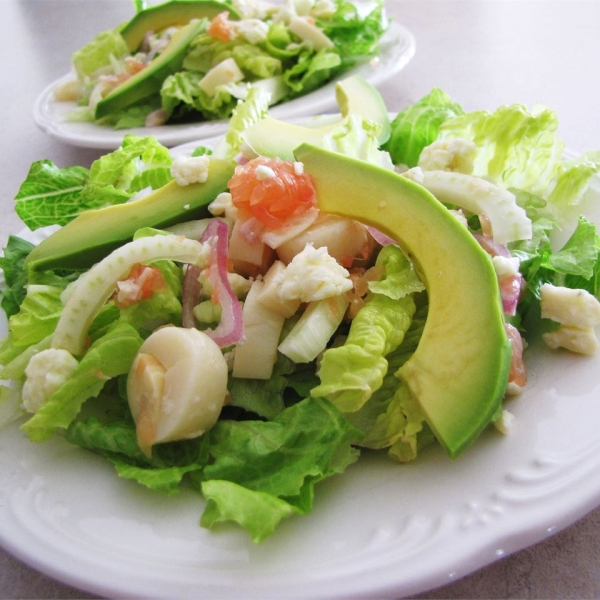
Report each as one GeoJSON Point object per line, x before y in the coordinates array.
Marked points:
{"type": "Point", "coordinates": [95, 233]}
{"type": "Point", "coordinates": [354, 95]}
{"type": "Point", "coordinates": [149, 80]}
{"type": "Point", "coordinates": [174, 13]}
{"type": "Point", "coordinates": [459, 372]}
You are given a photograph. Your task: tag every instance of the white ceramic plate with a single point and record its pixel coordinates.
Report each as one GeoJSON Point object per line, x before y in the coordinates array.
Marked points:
{"type": "Point", "coordinates": [379, 530]}
{"type": "Point", "coordinates": [397, 48]}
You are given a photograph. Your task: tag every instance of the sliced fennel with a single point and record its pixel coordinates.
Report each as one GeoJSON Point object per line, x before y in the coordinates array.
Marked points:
{"type": "Point", "coordinates": [94, 287]}
{"type": "Point", "coordinates": [314, 329]}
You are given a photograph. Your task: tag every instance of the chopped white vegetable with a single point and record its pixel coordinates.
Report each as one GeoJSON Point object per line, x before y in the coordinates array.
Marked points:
{"type": "Point", "coordinates": [224, 73]}
{"type": "Point", "coordinates": [255, 357]}
{"type": "Point", "coordinates": [508, 220]}
{"type": "Point", "coordinates": [309, 33]}
{"type": "Point", "coordinates": [310, 335]}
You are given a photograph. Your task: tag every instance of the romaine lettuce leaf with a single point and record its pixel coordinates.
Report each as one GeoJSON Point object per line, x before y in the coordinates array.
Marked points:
{"type": "Point", "coordinates": [51, 195]}
{"type": "Point", "coordinates": [418, 126]}
{"type": "Point", "coordinates": [354, 33]}
{"type": "Point", "coordinates": [97, 54]}
{"type": "Point", "coordinates": [515, 147]}
{"type": "Point", "coordinates": [351, 373]}
{"type": "Point", "coordinates": [109, 356]}
{"type": "Point", "coordinates": [117, 441]}
{"type": "Point", "coordinates": [181, 95]}
{"type": "Point", "coordinates": [54, 196]}
{"type": "Point", "coordinates": [311, 71]}
{"type": "Point", "coordinates": [391, 418]}
{"type": "Point", "coordinates": [256, 511]}
{"type": "Point", "coordinates": [357, 138]}
{"type": "Point", "coordinates": [284, 458]}
{"type": "Point", "coordinates": [15, 275]}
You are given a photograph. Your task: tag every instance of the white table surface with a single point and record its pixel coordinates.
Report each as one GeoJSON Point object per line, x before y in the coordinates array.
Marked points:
{"type": "Point", "coordinates": [484, 53]}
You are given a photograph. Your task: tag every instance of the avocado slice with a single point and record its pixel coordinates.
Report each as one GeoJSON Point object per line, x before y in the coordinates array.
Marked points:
{"type": "Point", "coordinates": [459, 372]}
{"type": "Point", "coordinates": [95, 233]}
{"type": "Point", "coordinates": [169, 14]}
{"type": "Point", "coordinates": [149, 80]}
{"type": "Point", "coordinates": [354, 95]}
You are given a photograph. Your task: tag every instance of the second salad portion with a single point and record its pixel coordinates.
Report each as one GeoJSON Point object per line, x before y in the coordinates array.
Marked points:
{"type": "Point", "coordinates": [193, 60]}
{"type": "Point", "coordinates": [248, 317]}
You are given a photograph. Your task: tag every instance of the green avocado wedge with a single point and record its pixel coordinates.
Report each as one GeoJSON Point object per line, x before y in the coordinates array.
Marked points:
{"type": "Point", "coordinates": [354, 95]}
{"type": "Point", "coordinates": [169, 14]}
{"type": "Point", "coordinates": [149, 80]}
{"type": "Point", "coordinates": [459, 372]}
{"type": "Point", "coordinates": [95, 233]}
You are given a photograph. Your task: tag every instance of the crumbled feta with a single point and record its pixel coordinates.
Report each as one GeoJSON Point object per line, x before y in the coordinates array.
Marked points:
{"type": "Point", "coordinates": [460, 216]}
{"type": "Point", "coordinates": [46, 372]}
{"type": "Point", "coordinates": [506, 266]}
{"type": "Point", "coordinates": [298, 168]}
{"type": "Point", "coordinates": [190, 169]}
{"type": "Point", "coordinates": [254, 31]}
{"type": "Point", "coordinates": [449, 155]}
{"type": "Point", "coordinates": [581, 341]}
{"type": "Point", "coordinates": [222, 206]}
{"type": "Point", "coordinates": [258, 9]}
{"type": "Point", "coordinates": [313, 275]}
{"type": "Point", "coordinates": [264, 172]}
{"type": "Point", "coordinates": [573, 307]}
{"type": "Point", "coordinates": [505, 423]}
{"type": "Point", "coordinates": [415, 174]}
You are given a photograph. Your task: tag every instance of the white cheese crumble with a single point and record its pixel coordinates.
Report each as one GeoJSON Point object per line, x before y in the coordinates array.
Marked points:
{"type": "Point", "coordinates": [253, 31]}
{"type": "Point", "coordinates": [505, 423]}
{"type": "Point", "coordinates": [47, 371]}
{"type": "Point", "coordinates": [223, 206]}
{"type": "Point", "coordinates": [577, 311]}
{"type": "Point", "coordinates": [574, 307]}
{"type": "Point", "coordinates": [581, 341]}
{"type": "Point", "coordinates": [313, 275]}
{"type": "Point", "coordinates": [506, 266]}
{"type": "Point", "coordinates": [264, 172]}
{"type": "Point", "coordinates": [190, 169]}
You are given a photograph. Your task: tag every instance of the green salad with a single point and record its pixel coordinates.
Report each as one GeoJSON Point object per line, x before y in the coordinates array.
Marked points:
{"type": "Point", "coordinates": [193, 60]}
{"type": "Point", "coordinates": [247, 317]}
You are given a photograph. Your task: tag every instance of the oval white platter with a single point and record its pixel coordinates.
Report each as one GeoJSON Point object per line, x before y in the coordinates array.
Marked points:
{"type": "Point", "coordinates": [397, 48]}
{"type": "Point", "coordinates": [379, 530]}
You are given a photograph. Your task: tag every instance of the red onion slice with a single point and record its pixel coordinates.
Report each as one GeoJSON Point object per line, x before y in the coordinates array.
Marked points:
{"type": "Point", "coordinates": [230, 330]}
{"type": "Point", "coordinates": [190, 295]}
{"type": "Point", "coordinates": [379, 237]}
